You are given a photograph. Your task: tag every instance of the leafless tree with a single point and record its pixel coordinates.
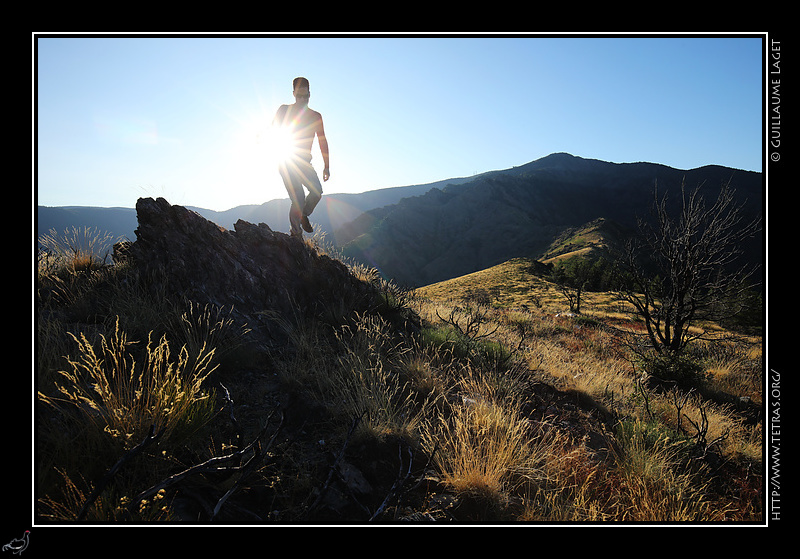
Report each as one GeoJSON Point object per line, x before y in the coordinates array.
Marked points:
{"type": "Point", "coordinates": [681, 268]}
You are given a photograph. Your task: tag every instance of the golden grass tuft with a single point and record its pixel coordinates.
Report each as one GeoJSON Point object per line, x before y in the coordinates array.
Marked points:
{"type": "Point", "coordinates": [119, 397]}
{"type": "Point", "coordinates": [483, 447]}
{"type": "Point", "coordinates": [76, 250]}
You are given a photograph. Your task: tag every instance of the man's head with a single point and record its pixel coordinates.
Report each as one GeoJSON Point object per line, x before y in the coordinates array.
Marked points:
{"type": "Point", "coordinates": [301, 90]}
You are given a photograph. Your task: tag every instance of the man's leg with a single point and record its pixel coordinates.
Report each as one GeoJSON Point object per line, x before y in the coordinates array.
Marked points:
{"type": "Point", "coordinates": [294, 187]}
{"type": "Point", "coordinates": [311, 181]}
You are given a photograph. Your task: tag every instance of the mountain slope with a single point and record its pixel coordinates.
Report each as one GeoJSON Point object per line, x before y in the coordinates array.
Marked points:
{"type": "Point", "coordinates": [594, 239]}
{"type": "Point", "coordinates": [454, 231]}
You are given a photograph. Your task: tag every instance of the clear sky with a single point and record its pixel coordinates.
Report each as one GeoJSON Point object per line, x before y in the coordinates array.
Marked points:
{"type": "Point", "coordinates": [184, 118]}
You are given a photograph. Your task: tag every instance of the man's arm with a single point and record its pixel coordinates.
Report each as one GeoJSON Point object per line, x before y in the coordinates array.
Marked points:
{"type": "Point", "coordinates": [280, 116]}
{"type": "Point", "coordinates": [323, 148]}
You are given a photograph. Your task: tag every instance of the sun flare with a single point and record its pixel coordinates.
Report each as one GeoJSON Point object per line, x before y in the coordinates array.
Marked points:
{"type": "Point", "coordinates": [281, 144]}
{"type": "Point", "coordinates": [250, 160]}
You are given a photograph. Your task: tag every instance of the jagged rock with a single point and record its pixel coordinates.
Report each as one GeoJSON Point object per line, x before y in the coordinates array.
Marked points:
{"type": "Point", "coordinates": [252, 269]}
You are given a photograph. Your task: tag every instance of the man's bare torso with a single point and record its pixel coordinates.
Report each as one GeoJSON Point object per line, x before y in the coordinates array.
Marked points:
{"type": "Point", "coordinates": [303, 123]}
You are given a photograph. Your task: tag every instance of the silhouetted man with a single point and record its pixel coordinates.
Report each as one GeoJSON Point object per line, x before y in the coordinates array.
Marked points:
{"type": "Point", "coordinates": [302, 124]}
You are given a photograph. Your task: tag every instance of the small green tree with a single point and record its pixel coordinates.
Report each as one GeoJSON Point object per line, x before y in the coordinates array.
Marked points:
{"type": "Point", "coordinates": [570, 278]}
{"type": "Point", "coordinates": [577, 275]}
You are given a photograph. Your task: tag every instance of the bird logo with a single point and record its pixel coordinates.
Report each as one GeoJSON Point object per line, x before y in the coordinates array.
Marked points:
{"type": "Point", "coordinates": [18, 545]}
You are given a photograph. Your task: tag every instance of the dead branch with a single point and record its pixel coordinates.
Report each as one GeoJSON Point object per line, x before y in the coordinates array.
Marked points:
{"type": "Point", "coordinates": [645, 397]}
{"type": "Point", "coordinates": [248, 468]}
{"type": "Point", "coordinates": [679, 405]}
{"type": "Point", "coordinates": [151, 437]}
{"type": "Point", "coordinates": [332, 470]}
{"type": "Point", "coordinates": [397, 490]}
{"type": "Point", "coordinates": [475, 318]}
{"type": "Point", "coordinates": [229, 405]}
{"type": "Point", "coordinates": [211, 465]}
{"type": "Point", "coordinates": [397, 486]}
{"type": "Point", "coordinates": [701, 441]}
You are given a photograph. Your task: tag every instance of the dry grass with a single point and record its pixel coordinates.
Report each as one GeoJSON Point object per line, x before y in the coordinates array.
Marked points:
{"type": "Point", "coordinates": [650, 479]}
{"type": "Point", "coordinates": [103, 403]}
{"type": "Point", "coordinates": [76, 249]}
{"type": "Point", "coordinates": [485, 450]}
{"type": "Point", "coordinates": [653, 483]}
{"type": "Point", "coordinates": [511, 285]}
{"type": "Point", "coordinates": [117, 397]}
{"type": "Point", "coordinates": [100, 390]}
{"type": "Point", "coordinates": [459, 397]}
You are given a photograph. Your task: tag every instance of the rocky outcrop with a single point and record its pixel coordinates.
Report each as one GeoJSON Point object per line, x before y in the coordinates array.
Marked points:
{"type": "Point", "coordinates": [252, 269]}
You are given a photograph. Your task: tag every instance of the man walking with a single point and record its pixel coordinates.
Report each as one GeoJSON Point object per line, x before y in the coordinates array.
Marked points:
{"type": "Point", "coordinates": [301, 124]}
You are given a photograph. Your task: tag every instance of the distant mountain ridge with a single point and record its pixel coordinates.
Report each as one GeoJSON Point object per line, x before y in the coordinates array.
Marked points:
{"type": "Point", "coordinates": [422, 234]}
{"type": "Point", "coordinates": [333, 212]}
{"type": "Point", "coordinates": [519, 212]}
{"type": "Point", "coordinates": [116, 221]}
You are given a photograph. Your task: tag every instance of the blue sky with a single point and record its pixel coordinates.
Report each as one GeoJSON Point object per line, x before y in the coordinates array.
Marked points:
{"type": "Point", "coordinates": [184, 118]}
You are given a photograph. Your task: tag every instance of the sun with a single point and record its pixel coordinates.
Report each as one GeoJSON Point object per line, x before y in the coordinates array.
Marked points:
{"type": "Point", "coordinates": [280, 144]}
{"type": "Point", "coordinates": [251, 158]}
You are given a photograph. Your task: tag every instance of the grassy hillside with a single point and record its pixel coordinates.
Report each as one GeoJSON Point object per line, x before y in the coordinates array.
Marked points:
{"type": "Point", "coordinates": [466, 401]}
{"type": "Point", "coordinates": [587, 356]}
{"type": "Point", "coordinates": [512, 284]}
{"type": "Point", "coordinates": [593, 239]}
{"type": "Point", "coordinates": [518, 284]}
